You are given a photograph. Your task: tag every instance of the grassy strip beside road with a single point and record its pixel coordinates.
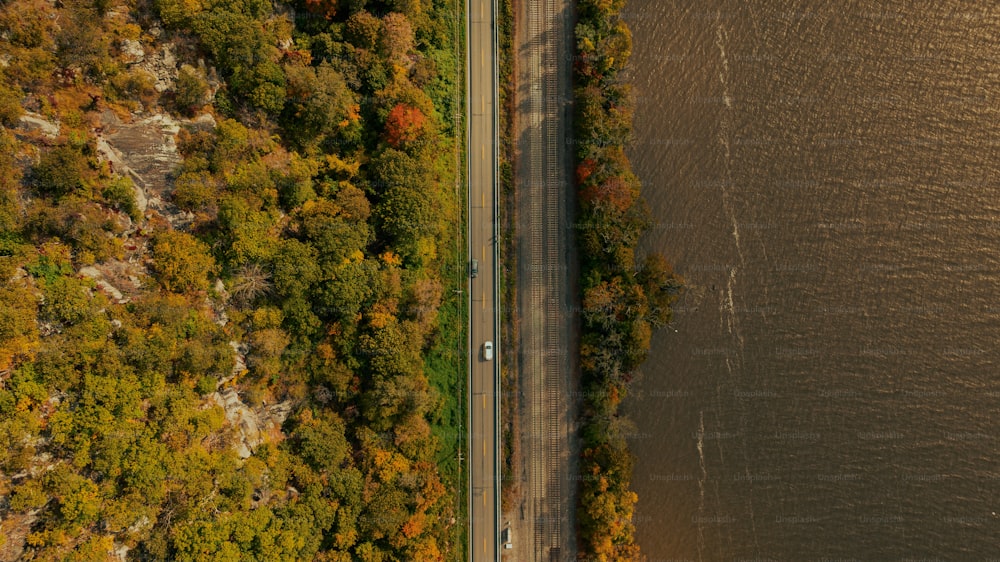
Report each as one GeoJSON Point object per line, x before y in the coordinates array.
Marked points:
{"type": "Point", "coordinates": [510, 431]}
{"type": "Point", "coordinates": [447, 361]}
{"type": "Point", "coordinates": [623, 302]}
{"type": "Point", "coordinates": [446, 365]}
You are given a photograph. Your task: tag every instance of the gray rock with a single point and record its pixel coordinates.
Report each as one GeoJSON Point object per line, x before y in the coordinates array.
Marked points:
{"type": "Point", "coordinates": [146, 151]}
{"type": "Point", "coordinates": [242, 418]}
{"type": "Point", "coordinates": [163, 66]}
{"type": "Point", "coordinates": [132, 51]}
{"type": "Point", "coordinates": [92, 272]}
{"type": "Point", "coordinates": [203, 122]}
{"type": "Point", "coordinates": [113, 278]}
{"type": "Point", "coordinates": [251, 424]}
{"type": "Point", "coordinates": [141, 524]}
{"type": "Point", "coordinates": [33, 122]}
{"type": "Point", "coordinates": [240, 364]}
{"type": "Point", "coordinates": [16, 529]}
{"type": "Point", "coordinates": [108, 153]}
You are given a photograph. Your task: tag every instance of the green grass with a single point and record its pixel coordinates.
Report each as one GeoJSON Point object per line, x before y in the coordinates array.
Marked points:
{"type": "Point", "coordinates": [446, 370]}
{"type": "Point", "coordinates": [446, 362]}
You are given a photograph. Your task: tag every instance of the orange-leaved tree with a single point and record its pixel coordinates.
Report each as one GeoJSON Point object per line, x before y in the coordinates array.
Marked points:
{"type": "Point", "coordinates": [404, 125]}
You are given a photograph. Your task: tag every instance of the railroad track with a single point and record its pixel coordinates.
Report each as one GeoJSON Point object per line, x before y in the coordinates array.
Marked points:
{"type": "Point", "coordinates": [543, 344]}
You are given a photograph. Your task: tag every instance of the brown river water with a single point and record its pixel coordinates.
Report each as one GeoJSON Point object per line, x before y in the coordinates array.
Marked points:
{"type": "Point", "coordinates": [824, 175]}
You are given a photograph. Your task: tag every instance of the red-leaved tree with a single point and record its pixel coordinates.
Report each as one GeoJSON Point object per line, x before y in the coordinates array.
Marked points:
{"type": "Point", "coordinates": [404, 125]}
{"type": "Point", "coordinates": [325, 8]}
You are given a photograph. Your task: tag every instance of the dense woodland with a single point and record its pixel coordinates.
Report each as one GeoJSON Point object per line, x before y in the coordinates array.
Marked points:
{"type": "Point", "coordinates": [304, 264]}
{"type": "Point", "coordinates": [623, 301]}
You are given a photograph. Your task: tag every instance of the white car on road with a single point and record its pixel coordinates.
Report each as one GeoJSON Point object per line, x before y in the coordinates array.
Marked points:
{"type": "Point", "coordinates": [488, 351]}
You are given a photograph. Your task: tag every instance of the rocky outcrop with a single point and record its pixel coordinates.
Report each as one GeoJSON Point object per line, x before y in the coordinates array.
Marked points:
{"type": "Point", "coordinates": [203, 122]}
{"type": "Point", "coordinates": [252, 425]}
{"type": "Point", "coordinates": [132, 51]}
{"type": "Point", "coordinates": [119, 280]}
{"type": "Point", "coordinates": [162, 65]}
{"type": "Point", "coordinates": [146, 151]}
{"type": "Point", "coordinates": [31, 124]}
{"type": "Point", "coordinates": [15, 529]}
{"type": "Point", "coordinates": [240, 364]}
{"type": "Point", "coordinates": [148, 148]}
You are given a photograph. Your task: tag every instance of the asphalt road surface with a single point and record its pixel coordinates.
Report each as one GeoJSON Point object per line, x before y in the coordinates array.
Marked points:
{"type": "Point", "coordinates": [484, 377]}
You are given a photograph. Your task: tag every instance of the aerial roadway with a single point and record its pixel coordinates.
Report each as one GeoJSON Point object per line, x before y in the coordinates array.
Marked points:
{"type": "Point", "coordinates": [484, 364]}
{"type": "Point", "coordinates": [484, 360]}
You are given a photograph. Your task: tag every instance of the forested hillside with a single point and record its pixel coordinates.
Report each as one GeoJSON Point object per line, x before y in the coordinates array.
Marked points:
{"type": "Point", "coordinates": [228, 249]}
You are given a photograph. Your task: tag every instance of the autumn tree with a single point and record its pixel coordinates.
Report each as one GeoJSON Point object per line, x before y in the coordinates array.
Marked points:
{"type": "Point", "coordinates": [411, 8]}
{"type": "Point", "coordinates": [18, 329]}
{"type": "Point", "coordinates": [363, 29]}
{"type": "Point", "coordinates": [324, 214]}
{"type": "Point", "coordinates": [10, 104]}
{"type": "Point", "coordinates": [233, 143]}
{"type": "Point", "coordinates": [661, 286]}
{"type": "Point", "coordinates": [407, 208]}
{"type": "Point", "coordinates": [248, 232]}
{"type": "Point", "coordinates": [398, 383]}
{"type": "Point", "coordinates": [319, 106]}
{"type": "Point", "coordinates": [404, 126]}
{"type": "Point", "coordinates": [10, 179]}
{"type": "Point", "coordinates": [297, 185]}
{"type": "Point", "coordinates": [622, 302]}
{"type": "Point", "coordinates": [60, 171]}
{"type": "Point", "coordinates": [119, 192]}
{"type": "Point", "coordinates": [181, 262]}
{"type": "Point", "coordinates": [77, 497]}
{"type": "Point", "coordinates": [396, 39]}
{"type": "Point", "coordinates": [294, 269]}
{"type": "Point", "coordinates": [321, 442]}
{"type": "Point", "coordinates": [267, 342]}
{"type": "Point", "coordinates": [423, 303]}
{"type": "Point", "coordinates": [194, 191]}
{"type": "Point", "coordinates": [191, 90]}
{"type": "Point", "coordinates": [606, 517]}
{"type": "Point", "coordinates": [324, 8]}
{"type": "Point", "coordinates": [81, 43]}
{"type": "Point", "coordinates": [233, 33]}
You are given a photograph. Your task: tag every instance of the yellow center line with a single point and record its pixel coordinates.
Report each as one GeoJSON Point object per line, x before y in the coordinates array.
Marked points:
{"type": "Point", "coordinates": [484, 454]}
{"type": "Point", "coordinates": [484, 401]}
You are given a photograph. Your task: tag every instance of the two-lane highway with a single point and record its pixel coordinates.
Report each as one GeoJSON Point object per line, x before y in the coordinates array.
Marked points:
{"type": "Point", "coordinates": [481, 117]}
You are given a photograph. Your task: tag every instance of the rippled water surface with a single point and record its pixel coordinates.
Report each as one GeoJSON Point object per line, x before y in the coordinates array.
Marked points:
{"type": "Point", "coordinates": [824, 174]}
